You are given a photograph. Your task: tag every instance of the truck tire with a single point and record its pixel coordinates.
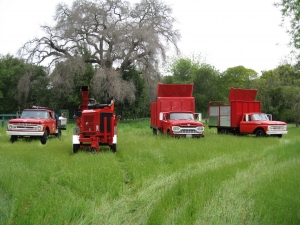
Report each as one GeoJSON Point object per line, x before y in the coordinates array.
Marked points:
{"type": "Point", "coordinates": [44, 138]}
{"type": "Point", "coordinates": [260, 133]}
{"type": "Point", "coordinates": [13, 138]}
{"type": "Point", "coordinates": [113, 148]}
{"type": "Point", "coordinates": [75, 148]}
{"type": "Point", "coordinates": [154, 131]}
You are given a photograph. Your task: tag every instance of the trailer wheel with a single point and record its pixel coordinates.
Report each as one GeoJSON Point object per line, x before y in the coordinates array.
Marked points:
{"type": "Point", "coordinates": [260, 133]}
{"type": "Point", "coordinates": [113, 148]}
{"type": "Point", "coordinates": [75, 148]}
{"type": "Point", "coordinates": [44, 138]}
{"type": "Point", "coordinates": [13, 138]}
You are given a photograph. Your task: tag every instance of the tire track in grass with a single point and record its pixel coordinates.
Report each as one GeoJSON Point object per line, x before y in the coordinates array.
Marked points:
{"type": "Point", "coordinates": [135, 206]}
{"type": "Point", "coordinates": [234, 203]}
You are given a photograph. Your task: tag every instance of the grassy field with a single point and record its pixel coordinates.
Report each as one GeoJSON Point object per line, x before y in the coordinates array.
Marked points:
{"type": "Point", "coordinates": [219, 179]}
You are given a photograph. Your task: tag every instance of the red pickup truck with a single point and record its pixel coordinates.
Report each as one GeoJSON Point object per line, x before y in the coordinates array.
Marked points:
{"type": "Point", "coordinates": [36, 122]}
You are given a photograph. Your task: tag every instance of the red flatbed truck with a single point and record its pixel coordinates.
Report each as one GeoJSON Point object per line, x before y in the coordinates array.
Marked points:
{"type": "Point", "coordinates": [242, 115]}
{"type": "Point", "coordinates": [173, 113]}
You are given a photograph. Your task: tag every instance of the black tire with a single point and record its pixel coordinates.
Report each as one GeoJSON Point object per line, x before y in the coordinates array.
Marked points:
{"type": "Point", "coordinates": [222, 131]}
{"type": "Point", "coordinates": [154, 131]}
{"type": "Point", "coordinates": [13, 138]}
{"type": "Point", "coordinates": [44, 138]}
{"type": "Point", "coordinates": [113, 148]}
{"type": "Point", "coordinates": [260, 133]}
{"type": "Point", "coordinates": [76, 148]}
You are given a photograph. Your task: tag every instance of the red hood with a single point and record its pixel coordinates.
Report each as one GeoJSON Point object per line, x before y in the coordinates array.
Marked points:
{"type": "Point", "coordinates": [271, 122]}
{"type": "Point", "coordinates": [27, 120]}
{"type": "Point", "coordinates": [185, 123]}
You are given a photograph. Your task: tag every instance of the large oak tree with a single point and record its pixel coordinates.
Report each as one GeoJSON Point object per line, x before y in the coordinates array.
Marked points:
{"type": "Point", "coordinates": [111, 34]}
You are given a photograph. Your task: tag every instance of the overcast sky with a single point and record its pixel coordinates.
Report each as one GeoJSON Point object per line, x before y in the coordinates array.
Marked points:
{"type": "Point", "coordinates": [226, 33]}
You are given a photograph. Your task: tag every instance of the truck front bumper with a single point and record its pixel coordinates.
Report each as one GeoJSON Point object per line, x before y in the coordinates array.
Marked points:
{"type": "Point", "coordinates": [276, 132]}
{"type": "Point", "coordinates": [25, 133]}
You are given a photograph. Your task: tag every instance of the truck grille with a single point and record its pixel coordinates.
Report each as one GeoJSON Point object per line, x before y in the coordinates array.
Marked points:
{"type": "Point", "coordinates": [88, 123]}
{"type": "Point", "coordinates": [108, 126]}
{"type": "Point", "coordinates": [25, 126]}
{"type": "Point", "coordinates": [277, 127]}
{"type": "Point", "coordinates": [188, 131]}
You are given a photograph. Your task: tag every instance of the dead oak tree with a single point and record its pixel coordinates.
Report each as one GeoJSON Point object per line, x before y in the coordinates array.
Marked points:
{"type": "Point", "coordinates": [113, 34]}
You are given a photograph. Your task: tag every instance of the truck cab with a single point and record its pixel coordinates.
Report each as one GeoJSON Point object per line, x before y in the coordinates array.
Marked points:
{"type": "Point", "coordinates": [260, 125]}
{"type": "Point", "coordinates": [181, 124]}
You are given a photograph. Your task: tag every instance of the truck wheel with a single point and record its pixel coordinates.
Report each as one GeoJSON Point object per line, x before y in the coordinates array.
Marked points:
{"type": "Point", "coordinates": [75, 148]}
{"type": "Point", "coordinates": [168, 133]}
{"type": "Point", "coordinates": [222, 131]}
{"type": "Point", "coordinates": [13, 138]}
{"type": "Point", "coordinates": [154, 131]}
{"type": "Point", "coordinates": [260, 133]}
{"type": "Point", "coordinates": [113, 148]}
{"type": "Point", "coordinates": [44, 138]}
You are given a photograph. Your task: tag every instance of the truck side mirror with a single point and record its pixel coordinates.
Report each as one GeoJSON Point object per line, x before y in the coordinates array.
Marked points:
{"type": "Point", "coordinates": [198, 116]}
{"type": "Point", "coordinates": [164, 116]}
{"type": "Point", "coordinates": [247, 118]}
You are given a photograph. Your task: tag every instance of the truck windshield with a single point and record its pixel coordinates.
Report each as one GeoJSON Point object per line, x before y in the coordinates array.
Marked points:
{"type": "Point", "coordinates": [181, 116]}
{"type": "Point", "coordinates": [34, 114]}
{"type": "Point", "coordinates": [260, 116]}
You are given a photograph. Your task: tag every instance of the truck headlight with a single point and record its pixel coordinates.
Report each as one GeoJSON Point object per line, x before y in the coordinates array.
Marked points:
{"type": "Point", "coordinates": [10, 126]}
{"type": "Point", "coordinates": [175, 128]}
{"type": "Point", "coordinates": [199, 129]}
{"type": "Point", "coordinates": [40, 127]}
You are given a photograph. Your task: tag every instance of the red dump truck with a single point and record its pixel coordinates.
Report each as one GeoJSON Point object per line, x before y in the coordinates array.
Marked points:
{"type": "Point", "coordinates": [173, 113]}
{"type": "Point", "coordinates": [97, 125]}
{"type": "Point", "coordinates": [242, 115]}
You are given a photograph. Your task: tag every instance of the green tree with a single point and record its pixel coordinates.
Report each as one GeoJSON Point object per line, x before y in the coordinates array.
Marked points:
{"type": "Point", "coordinates": [290, 11]}
{"type": "Point", "coordinates": [11, 70]}
{"type": "Point", "coordinates": [167, 79]}
{"type": "Point", "coordinates": [207, 87]}
{"type": "Point", "coordinates": [278, 90]}
{"type": "Point", "coordinates": [31, 82]}
{"type": "Point", "coordinates": [238, 77]}
{"type": "Point", "coordinates": [182, 70]}
{"type": "Point", "coordinates": [140, 106]}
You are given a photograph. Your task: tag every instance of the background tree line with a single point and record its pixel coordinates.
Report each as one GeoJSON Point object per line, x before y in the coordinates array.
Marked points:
{"type": "Point", "coordinates": [278, 89]}
{"type": "Point", "coordinates": [116, 48]}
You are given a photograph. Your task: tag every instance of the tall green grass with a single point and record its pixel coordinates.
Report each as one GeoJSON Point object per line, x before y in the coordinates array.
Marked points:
{"type": "Point", "coordinates": [218, 179]}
